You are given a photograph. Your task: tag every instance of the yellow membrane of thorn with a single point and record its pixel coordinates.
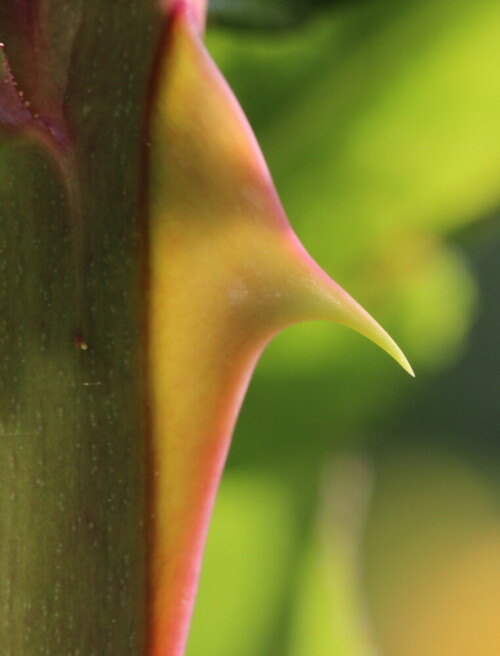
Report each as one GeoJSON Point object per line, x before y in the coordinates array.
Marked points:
{"type": "Point", "coordinates": [226, 274]}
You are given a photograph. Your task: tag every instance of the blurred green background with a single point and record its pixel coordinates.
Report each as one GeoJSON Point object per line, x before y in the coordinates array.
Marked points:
{"type": "Point", "coordinates": [360, 510]}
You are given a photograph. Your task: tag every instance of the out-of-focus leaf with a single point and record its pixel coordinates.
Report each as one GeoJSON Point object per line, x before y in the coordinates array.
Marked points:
{"type": "Point", "coordinates": [262, 14]}
{"type": "Point", "coordinates": [432, 557]}
{"type": "Point", "coordinates": [250, 545]}
{"type": "Point", "coordinates": [329, 616]}
{"type": "Point", "coordinates": [379, 122]}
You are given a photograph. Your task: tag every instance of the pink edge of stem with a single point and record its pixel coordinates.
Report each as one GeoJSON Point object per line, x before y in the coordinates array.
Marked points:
{"type": "Point", "coordinates": [175, 585]}
{"type": "Point", "coordinates": [196, 10]}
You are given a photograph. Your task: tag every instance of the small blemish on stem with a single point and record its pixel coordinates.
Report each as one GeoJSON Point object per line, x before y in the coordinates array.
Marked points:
{"type": "Point", "coordinates": [81, 343]}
